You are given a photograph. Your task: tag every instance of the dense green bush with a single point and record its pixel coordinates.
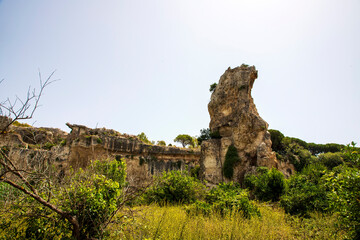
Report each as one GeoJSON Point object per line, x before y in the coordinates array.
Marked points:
{"type": "Point", "coordinates": [174, 187]}
{"type": "Point", "coordinates": [231, 159]}
{"type": "Point", "coordinates": [91, 195]}
{"type": "Point", "coordinates": [351, 155]}
{"type": "Point", "coordinates": [266, 185]}
{"type": "Point", "coordinates": [344, 194]}
{"type": "Point", "coordinates": [93, 200]}
{"type": "Point", "coordinates": [276, 139]}
{"type": "Point", "coordinates": [297, 154]}
{"type": "Point", "coordinates": [226, 198]}
{"type": "Point", "coordinates": [305, 192]}
{"type": "Point", "coordinates": [301, 153]}
{"type": "Point", "coordinates": [330, 160]}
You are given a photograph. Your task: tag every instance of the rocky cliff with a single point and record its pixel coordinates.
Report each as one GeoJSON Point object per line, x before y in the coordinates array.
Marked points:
{"type": "Point", "coordinates": [33, 147]}
{"type": "Point", "coordinates": [235, 120]}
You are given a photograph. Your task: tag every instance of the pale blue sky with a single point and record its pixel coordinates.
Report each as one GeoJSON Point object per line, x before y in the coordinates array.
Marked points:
{"type": "Point", "coordinates": [146, 66]}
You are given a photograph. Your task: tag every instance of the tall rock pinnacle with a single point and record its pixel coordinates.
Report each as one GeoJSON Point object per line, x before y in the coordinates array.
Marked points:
{"type": "Point", "coordinates": [234, 118]}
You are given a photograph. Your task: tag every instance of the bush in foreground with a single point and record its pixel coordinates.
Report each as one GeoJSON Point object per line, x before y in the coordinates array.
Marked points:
{"type": "Point", "coordinates": [266, 185]}
{"type": "Point", "coordinates": [226, 198]}
{"type": "Point", "coordinates": [174, 187]}
{"type": "Point", "coordinates": [91, 196]}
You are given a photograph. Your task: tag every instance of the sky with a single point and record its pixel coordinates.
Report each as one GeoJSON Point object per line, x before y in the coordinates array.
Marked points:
{"type": "Point", "coordinates": [146, 66]}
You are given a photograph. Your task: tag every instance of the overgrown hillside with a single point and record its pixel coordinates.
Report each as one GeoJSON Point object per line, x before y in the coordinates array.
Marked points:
{"type": "Point", "coordinates": [320, 201]}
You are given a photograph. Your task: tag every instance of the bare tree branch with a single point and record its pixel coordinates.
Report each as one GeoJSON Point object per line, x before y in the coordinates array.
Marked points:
{"type": "Point", "coordinates": [28, 105]}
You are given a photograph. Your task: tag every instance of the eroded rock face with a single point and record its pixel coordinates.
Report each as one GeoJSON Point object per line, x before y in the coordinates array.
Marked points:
{"type": "Point", "coordinates": [234, 116]}
{"type": "Point", "coordinates": [31, 147]}
{"type": "Point", "coordinates": [4, 122]}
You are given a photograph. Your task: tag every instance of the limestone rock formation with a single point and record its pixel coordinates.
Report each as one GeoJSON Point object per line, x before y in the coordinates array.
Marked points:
{"type": "Point", "coordinates": [31, 147]}
{"type": "Point", "coordinates": [235, 118]}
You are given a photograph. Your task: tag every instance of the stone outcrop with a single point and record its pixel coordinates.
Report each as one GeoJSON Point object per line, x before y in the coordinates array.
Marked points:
{"type": "Point", "coordinates": [234, 118]}
{"type": "Point", "coordinates": [32, 147]}
{"type": "Point", "coordinates": [143, 160]}
{"type": "Point", "coordinates": [234, 121]}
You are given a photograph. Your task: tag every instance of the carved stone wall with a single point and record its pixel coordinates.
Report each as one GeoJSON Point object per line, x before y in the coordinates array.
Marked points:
{"type": "Point", "coordinates": [29, 146]}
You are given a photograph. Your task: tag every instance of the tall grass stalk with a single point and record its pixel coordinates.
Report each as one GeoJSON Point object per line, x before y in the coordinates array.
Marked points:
{"type": "Point", "coordinates": [172, 222]}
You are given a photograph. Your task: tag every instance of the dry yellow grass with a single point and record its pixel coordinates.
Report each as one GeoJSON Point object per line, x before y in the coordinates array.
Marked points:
{"type": "Point", "coordinates": [172, 222]}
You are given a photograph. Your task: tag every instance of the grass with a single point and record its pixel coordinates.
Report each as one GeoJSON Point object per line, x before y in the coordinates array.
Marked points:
{"type": "Point", "coordinates": [172, 222]}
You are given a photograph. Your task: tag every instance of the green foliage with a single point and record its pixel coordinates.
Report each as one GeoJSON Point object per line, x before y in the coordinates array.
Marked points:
{"type": "Point", "coordinates": [351, 154]}
{"type": "Point", "coordinates": [48, 145]}
{"type": "Point", "coordinates": [161, 143]}
{"type": "Point", "coordinates": [19, 124]}
{"type": "Point", "coordinates": [99, 140]}
{"type": "Point", "coordinates": [142, 137]}
{"type": "Point", "coordinates": [231, 159]}
{"type": "Point", "coordinates": [301, 153]}
{"type": "Point", "coordinates": [344, 194]}
{"type": "Point", "coordinates": [295, 152]}
{"type": "Point", "coordinates": [206, 134]}
{"type": "Point", "coordinates": [328, 185]}
{"type": "Point", "coordinates": [185, 140]}
{"type": "Point", "coordinates": [8, 193]}
{"type": "Point", "coordinates": [39, 223]}
{"type": "Point", "coordinates": [174, 187]}
{"type": "Point", "coordinates": [91, 195]}
{"type": "Point", "coordinates": [305, 193]}
{"type": "Point", "coordinates": [215, 135]}
{"type": "Point", "coordinates": [195, 172]}
{"type": "Point", "coordinates": [212, 87]}
{"type": "Point", "coordinates": [267, 185]}
{"type": "Point", "coordinates": [324, 148]}
{"type": "Point", "coordinates": [111, 169]}
{"type": "Point", "coordinates": [63, 142]}
{"type": "Point", "coordinates": [92, 199]}
{"type": "Point", "coordinates": [331, 160]}
{"type": "Point", "coordinates": [226, 198]}
{"type": "Point", "coordinates": [276, 139]}
{"type": "Point", "coordinates": [94, 194]}
{"type": "Point", "coordinates": [173, 222]}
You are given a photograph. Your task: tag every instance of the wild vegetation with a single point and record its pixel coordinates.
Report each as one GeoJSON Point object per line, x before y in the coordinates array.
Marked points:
{"type": "Point", "coordinates": [321, 200]}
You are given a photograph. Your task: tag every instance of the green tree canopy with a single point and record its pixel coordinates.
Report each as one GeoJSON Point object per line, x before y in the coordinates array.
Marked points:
{"type": "Point", "coordinates": [185, 140]}
{"type": "Point", "coordinates": [161, 143]}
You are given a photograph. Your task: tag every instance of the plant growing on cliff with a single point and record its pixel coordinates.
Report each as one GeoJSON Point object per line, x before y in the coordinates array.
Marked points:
{"type": "Point", "coordinates": [231, 159]}
{"type": "Point", "coordinates": [206, 134]}
{"type": "Point", "coordinates": [161, 143]}
{"type": "Point", "coordinates": [212, 87]}
{"type": "Point", "coordinates": [142, 137]}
